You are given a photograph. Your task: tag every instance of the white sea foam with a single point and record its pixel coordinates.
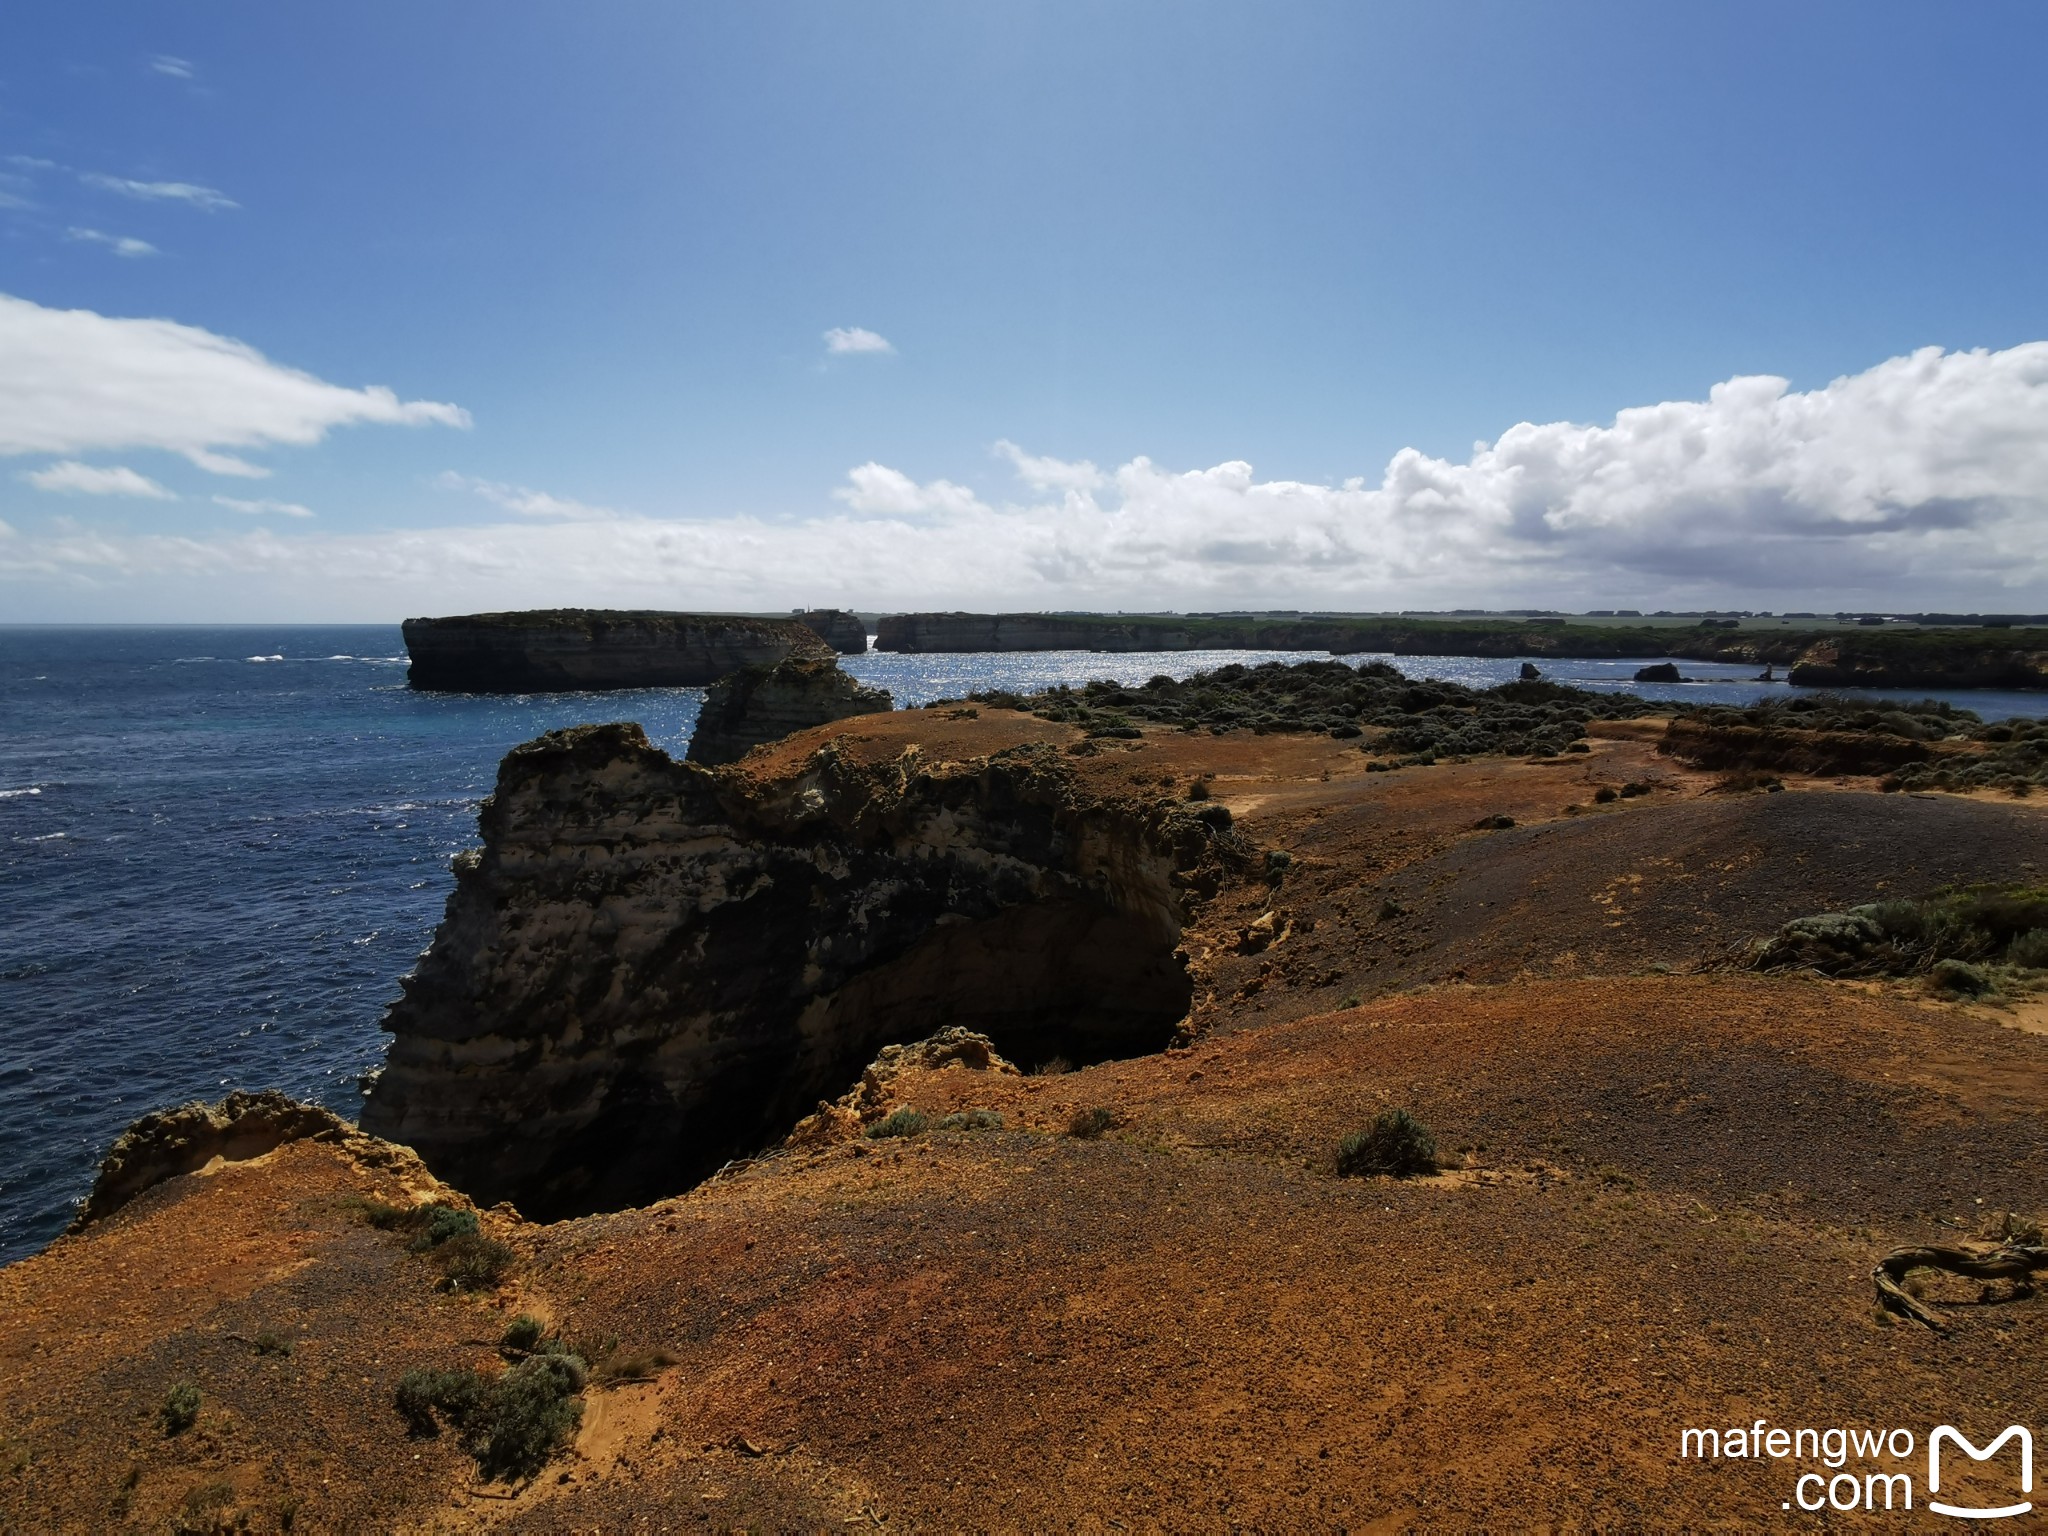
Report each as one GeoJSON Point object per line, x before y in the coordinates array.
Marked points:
{"type": "Point", "coordinates": [265, 658]}
{"type": "Point", "coordinates": [9, 794]}
{"type": "Point", "coordinates": [47, 837]}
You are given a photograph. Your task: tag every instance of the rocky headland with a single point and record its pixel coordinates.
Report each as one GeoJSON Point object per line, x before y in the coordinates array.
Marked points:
{"type": "Point", "coordinates": [756, 705]}
{"type": "Point", "coordinates": [845, 632]}
{"type": "Point", "coordinates": [566, 649]}
{"type": "Point", "coordinates": [650, 967]}
{"type": "Point", "coordinates": [1044, 1031]}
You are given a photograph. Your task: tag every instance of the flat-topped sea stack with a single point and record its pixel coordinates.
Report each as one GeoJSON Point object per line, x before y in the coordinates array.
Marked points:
{"type": "Point", "coordinates": [548, 650]}
{"type": "Point", "coordinates": [757, 705]}
{"type": "Point", "coordinates": [846, 633]}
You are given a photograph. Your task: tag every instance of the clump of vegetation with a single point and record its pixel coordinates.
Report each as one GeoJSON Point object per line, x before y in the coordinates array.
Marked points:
{"type": "Point", "coordinates": [511, 1423]}
{"type": "Point", "coordinates": [523, 1333]}
{"type": "Point", "coordinates": [450, 1239]}
{"type": "Point", "coordinates": [972, 1120]}
{"type": "Point", "coordinates": [898, 1122]}
{"type": "Point", "coordinates": [204, 1510]}
{"type": "Point", "coordinates": [1052, 1066]}
{"type": "Point", "coordinates": [180, 1410]}
{"type": "Point", "coordinates": [271, 1342]}
{"type": "Point", "coordinates": [1090, 1123]}
{"type": "Point", "coordinates": [1396, 1143]}
{"type": "Point", "coordinates": [1416, 721]}
{"type": "Point", "coordinates": [1959, 937]}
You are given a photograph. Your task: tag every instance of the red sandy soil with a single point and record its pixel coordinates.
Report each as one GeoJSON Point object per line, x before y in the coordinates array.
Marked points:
{"type": "Point", "coordinates": [1674, 1188]}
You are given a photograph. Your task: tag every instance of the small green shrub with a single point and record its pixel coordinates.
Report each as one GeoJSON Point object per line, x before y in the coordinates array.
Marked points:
{"type": "Point", "coordinates": [271, 1342]}
{"type": "Point", "coordinates": [523, 1333]}
{"type": "Point", "coordinates": [900, 1122]}
{"type": "Point", "coordinates": [454, 1395]}
{"type": "Point", "coordinates": [1090, 1123]}
{"type": "Point", "coordinates": [526, 1414]}
{"type": "Point", "coordinates": [1606, 794]}
{"type": "Point", "coordinates": [181, 1408]}
{"type": "Point", "coordinates": [1052, 1066]}
{"type": "Point", "coordinates": [2029, 951]}
{"type": "Point", "coordinates": [437, 1224]}
{"type": "Point", "coordinates": [1959, 977]}
{"type": "Point", "coordinates": [204, 1511]}
{"type": "Point", "coordinates": [510, 1423]}
{"type": "Point", "coordinates": [972, 1120]}
{"type": "Point", "coordinates": [469, 1262]}
{"type": "Point", "coordinates": [1397, 1143]}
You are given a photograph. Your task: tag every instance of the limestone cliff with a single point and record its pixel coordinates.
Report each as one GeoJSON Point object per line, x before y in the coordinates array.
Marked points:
{"type": "Point", "coordinates": [845, 632]}
{"type": "Point", "coordinates": [557, 649]}
{"type": "Point", "coordinates": [650, 966]}
{"type": "Point", "coordinates": [756, 705]}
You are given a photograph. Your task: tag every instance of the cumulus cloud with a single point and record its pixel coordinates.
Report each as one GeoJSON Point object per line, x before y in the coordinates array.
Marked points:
{"type": "Point", "coordinates": [1049, 474]}
{"type": "Point", "coordinates": [525, 501]}
{"type": "Point", "coordinates": [120, 245]}
{"type": "Point", "coordinates": [74, 381]}
{"type": "Point", "coordinates": [176, 68]}
{"type": "Point", "coordinates": [75, 479]}
{"type": "Point", "coordinates": [263, 508]}
{"type": "Point", "coordinates": [1922, 481]}
{"type": "Point", "coordinates": [880, 491]}
{"type": "Point", "coordinates": [210, 199]}
{"type": "Point", "coordinates": [853, 338]}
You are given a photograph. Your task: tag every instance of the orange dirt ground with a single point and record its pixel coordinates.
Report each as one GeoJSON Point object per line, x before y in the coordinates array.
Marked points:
{"type": "Point", "coordinates": [1675, 1180]}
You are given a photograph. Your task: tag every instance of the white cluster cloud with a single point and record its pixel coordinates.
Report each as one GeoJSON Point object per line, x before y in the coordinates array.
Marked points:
{"type": "Point", "coordinates": [854, 338]}
{"type": "Point", "coordinates": [120, 245]}
{"type": "Point", "coordinates": [1922, 481]}
{"type": "Point", "coordinates": [73, 381]}
{"type": "Point", "coordinates": [211, 199]}
{"type": "Point", "coordinates": [70, 477]}
{"type": "Point", "coordinates": [262, 508]}
{"type": "Point", "coordinates": [526, 502]}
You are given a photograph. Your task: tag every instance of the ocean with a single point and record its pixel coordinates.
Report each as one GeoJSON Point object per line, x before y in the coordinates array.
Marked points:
{"type": "Point", "coordinates": [220, 849]}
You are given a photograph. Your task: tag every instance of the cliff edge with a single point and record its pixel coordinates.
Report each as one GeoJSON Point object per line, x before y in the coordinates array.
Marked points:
{"type": "Point", "coordinates": [651, 967]}
{"type": "Point", "coordinates": [757, 705]}
{"type": "Point", "coordinates": [566, 649]}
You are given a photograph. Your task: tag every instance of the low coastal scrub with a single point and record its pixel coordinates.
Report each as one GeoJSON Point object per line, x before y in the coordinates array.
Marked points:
{"type": "Point", "coordinates": [1090, 1123]}
{"type": "Point", "coordinates": [898, 1122]}
{"type": "Point", "coordinates": [510, 1423]}
{"type": "Point", "coordinates": [180, 1410]}
{"type": "Point", "coordinates": [1963, 939]}
{"type": "Point", "coordinates": [1392, 713]}
{"type": "Point", "coordinates": [1396, 1143]}
{"type": "Point", "coordinates": [449, 1238]}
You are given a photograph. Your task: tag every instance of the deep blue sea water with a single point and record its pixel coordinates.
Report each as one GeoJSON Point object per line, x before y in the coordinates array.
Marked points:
{"type": "Point", "coordinates": [221, 848]}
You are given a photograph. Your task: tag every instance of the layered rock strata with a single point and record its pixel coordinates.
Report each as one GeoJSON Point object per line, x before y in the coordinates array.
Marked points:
{"type": "Point", "coordinates": [563, 649]}
{"type": "Point", "coordinates": [650, 967]}
{"type": "Point", "coordinates": [756, 705]}
{"type": "Point", "coordinates": [846, 633]}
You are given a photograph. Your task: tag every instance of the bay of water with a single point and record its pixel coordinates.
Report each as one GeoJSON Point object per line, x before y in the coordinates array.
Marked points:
{"type": "Point", "coordinates": [221, 848]}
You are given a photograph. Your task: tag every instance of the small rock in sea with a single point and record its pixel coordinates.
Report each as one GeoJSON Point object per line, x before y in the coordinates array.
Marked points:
{"type": "Point", "coordinates": [1660, 672]}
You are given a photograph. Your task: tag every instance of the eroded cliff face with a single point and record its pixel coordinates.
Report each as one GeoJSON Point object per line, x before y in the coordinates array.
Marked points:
{"type": "Point", "coordinates": [757, 705]}
{"type": "Point", "coordinates": [555, 649]}
{"type": "Point", "coordinates": [650, 967]}
{"type": "Point", "coordinates": [845, 632]}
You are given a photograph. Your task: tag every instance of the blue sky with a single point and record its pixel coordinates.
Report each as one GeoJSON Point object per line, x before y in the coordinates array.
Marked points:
{"type": "Point", "coordinates": [1202, 265]}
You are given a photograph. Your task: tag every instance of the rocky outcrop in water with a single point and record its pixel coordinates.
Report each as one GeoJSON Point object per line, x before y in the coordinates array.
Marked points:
{"type": "Point", "coordinates": [756, 705]}
{"type": "Point", "coordinates": [562, 649]}
{"type": "Point", "coordinates": [650, 967]}
{"type": "Point", "coordinates": [846, 633]}
{"type": "Point", "coordinates": [1990, 659]}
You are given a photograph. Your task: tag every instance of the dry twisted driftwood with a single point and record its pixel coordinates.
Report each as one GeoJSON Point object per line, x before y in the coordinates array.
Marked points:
{"type": "Point", "coordinates": [2007, 1261]}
